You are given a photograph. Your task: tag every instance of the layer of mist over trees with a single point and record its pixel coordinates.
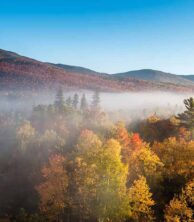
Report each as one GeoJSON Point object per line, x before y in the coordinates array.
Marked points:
{"type": "Point", "coordinates": [129, 105]}
{"type": "Point", "coordinates": [70, 161]}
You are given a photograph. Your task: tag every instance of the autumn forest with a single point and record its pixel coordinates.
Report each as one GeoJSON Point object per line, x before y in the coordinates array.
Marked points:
{"type": "Point", "coordinates": [70, 161]}
{"type": "Point", "coordinates": [97, 111]}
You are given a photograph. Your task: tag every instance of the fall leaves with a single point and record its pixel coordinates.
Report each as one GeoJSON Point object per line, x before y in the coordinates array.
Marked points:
{"type": "Point", "coordinates": [180, 207]}
{"type": "Point", "coordinates": [73, 165]}
{"type": "Point", "coordinates": [53, 190]}
{"type": "Point", "coordinates": [115, 178]}
{"type": "Point", "coordinates": [99, 182]}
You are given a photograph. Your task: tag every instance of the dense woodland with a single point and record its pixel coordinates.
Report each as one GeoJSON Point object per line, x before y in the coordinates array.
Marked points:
{"type": "Point", "coordinates": [70, 162]}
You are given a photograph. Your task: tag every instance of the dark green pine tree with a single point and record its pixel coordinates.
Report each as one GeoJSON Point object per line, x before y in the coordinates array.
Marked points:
{"type": "Point", "coordinates": [83, 103]}
{"type": "Point", "coordinates": [59, 100]}
{"type": "Point", "coordinates": [68, 101]}
{"type": "Point", "coordinates": [75, 100]}
{"type": "Point", "coordinates": [96, 100]}
{"type": "Point", "coordinates": [187, 117]}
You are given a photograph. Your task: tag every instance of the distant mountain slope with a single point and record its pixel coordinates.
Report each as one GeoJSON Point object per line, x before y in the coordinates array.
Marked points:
{"type": "Point", "coordinates": [19, 72]}
{"type": "Point", "coordinates": [77, 69]}
{"type": "Point", "coordinates": [156, 76]}
{"type": "Point", "coordinates": [8, 54]}
{"type": "Point", "coordinates": [188, 77]}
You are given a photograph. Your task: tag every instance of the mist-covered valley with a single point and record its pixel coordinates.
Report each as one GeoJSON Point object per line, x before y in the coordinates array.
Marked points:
{"type": "Point", "coordinates": [96, 111]}
{"type": "Point", "coordinates": [135, 103]}
{"type": "Point", "coordinates": [84, 155]}
{"type": "Point", "coordinates": [82, 146]}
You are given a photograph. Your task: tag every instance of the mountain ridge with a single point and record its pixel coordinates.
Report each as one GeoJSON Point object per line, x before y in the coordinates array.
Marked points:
{"type": "Point", "coordinates": [18, 71]}
{"type": "Point", "coordinates": [156, 75]}
{"type": "Point", "coordinates": [189, 77]}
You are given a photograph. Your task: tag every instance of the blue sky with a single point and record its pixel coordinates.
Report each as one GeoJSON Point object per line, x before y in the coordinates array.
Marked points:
{"type": "Point", "coordinates": [104, 35]}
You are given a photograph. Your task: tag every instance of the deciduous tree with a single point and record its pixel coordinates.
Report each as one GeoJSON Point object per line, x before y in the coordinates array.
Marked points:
{"type": "Point", "coordinates": [140, 201]}
{"type": "Point", "coordinates": [53, 190]}
{"type": "Point", "coordinates": [181, 208]}
{"type": "Point", "coordinates": [25, 134]}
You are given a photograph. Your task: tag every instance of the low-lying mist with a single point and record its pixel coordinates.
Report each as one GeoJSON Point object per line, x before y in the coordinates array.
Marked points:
{"type": "Point", "coordinates": [134, 103]}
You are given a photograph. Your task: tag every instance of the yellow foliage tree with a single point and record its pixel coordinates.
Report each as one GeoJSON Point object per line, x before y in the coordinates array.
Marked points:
{"type": "Point", "coordinates": [52, 141]}
{"type": "Point", "coordinates": [188, 192]}
{"type": "Point", "coordinates": [140, 201]}
{"type": "Point", "coordinates": [25, 133]}
{"type": "Point", "coordinates": [181, 208]}
{"type": "Point", "coordinates": [146, 163]}
{"type": "Point", "coordinates": [177, 156]}
{"type": "Point", "coordinates": [100, 178]}
{"type": "Point", "coordinates": [178, 211]}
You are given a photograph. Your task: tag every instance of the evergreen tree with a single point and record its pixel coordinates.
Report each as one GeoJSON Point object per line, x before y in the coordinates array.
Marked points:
{"type": "Point", "coordinates": [59, 99]}
{"type": "Point", "coordinates": [75, 100]}
{"type": "Point", "coordinates": [68, 101]}
{"type": "Point", "coordinates": [187, 117]}
{"type": "Point", "coordinates": [83, 103]}
{"type": "Point", "coordinates": [96, 100]}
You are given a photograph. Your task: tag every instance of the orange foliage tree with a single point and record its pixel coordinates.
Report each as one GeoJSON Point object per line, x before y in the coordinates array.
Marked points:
{"type": "Point", "coordinates": [53, 190]}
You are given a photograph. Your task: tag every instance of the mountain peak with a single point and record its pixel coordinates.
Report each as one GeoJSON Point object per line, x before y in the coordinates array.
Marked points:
{"type": "Point", "coordinates": [155, 76]}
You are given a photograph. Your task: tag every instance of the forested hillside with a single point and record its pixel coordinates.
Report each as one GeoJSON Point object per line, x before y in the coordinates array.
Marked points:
{"type": "Point", "coordinates": [69, 161]}
{"type": "Point", "coordinates": [157, 76]}
{"type": "Point", "coordinates": [19, 72]}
